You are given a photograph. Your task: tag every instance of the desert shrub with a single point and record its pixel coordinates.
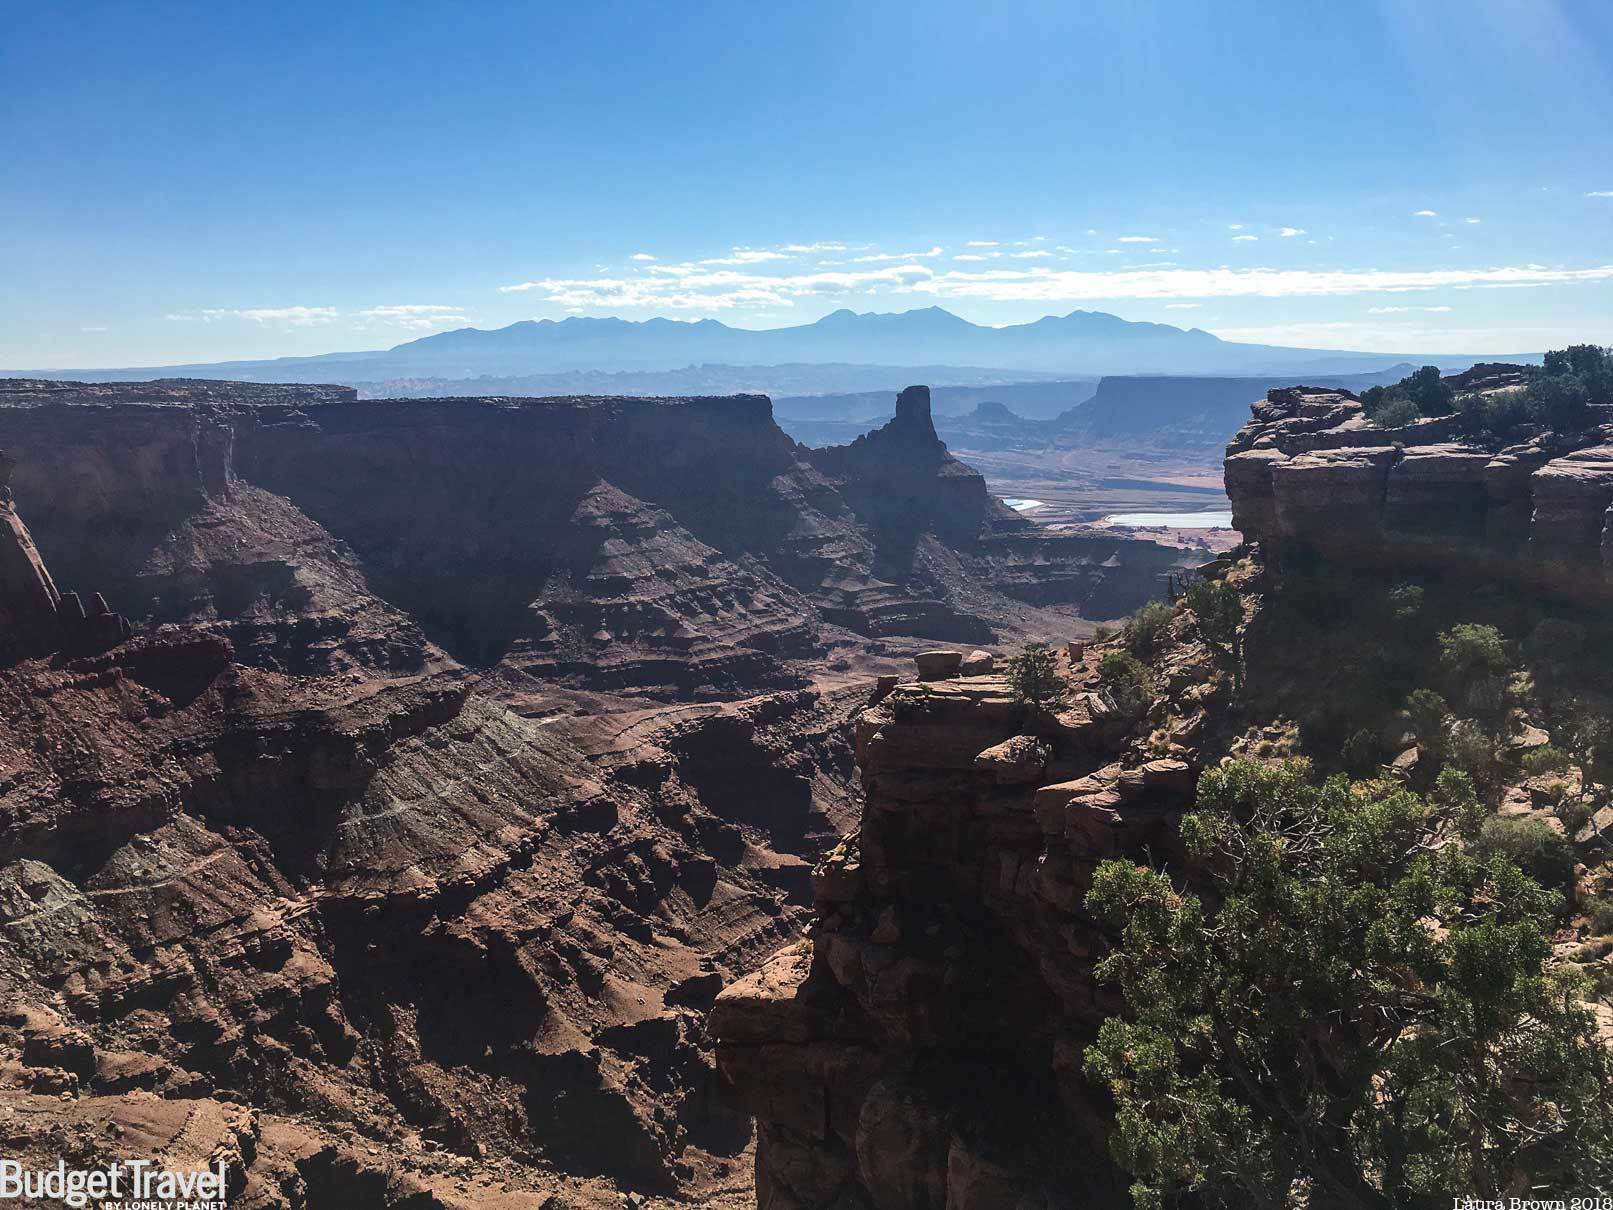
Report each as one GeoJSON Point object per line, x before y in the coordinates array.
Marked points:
{"type": "Point", "coordinates": [1546, 760]}
{"type": "Point", "coordinates": [1455, 798]}
{"type": "Point", "coordinates": [1474, 660]}
{"type": "Point", "coordinates": [1306, 1027]}
{"type": "Point", "coordinates": [1599, 911]}
{"type": "Point", "coordinates": [1535, 847]}
{"type": "Point", "coordinates": [1144, 632]}
{"type": "Point", "coordinates": [1034, 681]}
{"type": "Point", "coordinates": [1474, 751]}
{"type": "Point", "coordinates": [1588, 736]}
{"type": "Point", "coordinates": [1420, 393]}
{"type": "Point", "coordinates": [1218, 611]}
{"type": "Point", "coordinates": [1555, 397]}
{"type": "Point", "coordinates": [1395, 413]}
{"type": "Point", "coordinates": [1125, 682]}
{"type": "Point", "coordinates": [1429, 717]}
{"type": "Point", "coordinates": [1575, 812]}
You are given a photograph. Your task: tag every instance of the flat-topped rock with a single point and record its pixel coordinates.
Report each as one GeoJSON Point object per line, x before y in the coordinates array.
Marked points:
{"type": "Point", "coordinates": [938, 665]}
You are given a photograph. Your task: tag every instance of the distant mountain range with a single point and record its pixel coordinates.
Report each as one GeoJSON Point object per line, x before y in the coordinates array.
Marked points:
{"type": "Point", "coordinates": [1082, 343]}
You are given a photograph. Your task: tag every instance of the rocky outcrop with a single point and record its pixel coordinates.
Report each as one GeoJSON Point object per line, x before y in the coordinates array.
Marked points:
{"type": "Point", "coordinates": [1311, 473]}
{"type": "Point", "coordinates": [922, 1047]}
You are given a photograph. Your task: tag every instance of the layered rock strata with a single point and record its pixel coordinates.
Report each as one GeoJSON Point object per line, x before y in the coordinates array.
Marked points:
{"type": "Point", "coordinates": [1311, 472]}
{"type": "Point", "coordinates": [922, 1047]}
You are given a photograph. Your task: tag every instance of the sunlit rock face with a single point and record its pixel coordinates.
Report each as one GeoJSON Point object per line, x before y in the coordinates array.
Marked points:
{"type": "Point", "coordinates": [1310, 473]}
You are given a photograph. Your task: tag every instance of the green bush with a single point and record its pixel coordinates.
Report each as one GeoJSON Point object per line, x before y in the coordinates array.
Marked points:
{"type": "Point", "coordinates": [1575, 813]}
{"type": "Point", "coordinates": [1588, 735]}
{"type": "Point", "coordinates": [1475, 662]}
{"type": "Point", "coordinates": [1554, 398]}
{"type": "Point", "coordinates": [1535, 847]}
{"type": "Point", "coordinates": [1396, 413]}
{"type": "Point", "coordinates": [1144, 632]}
{"type": "Point", "coordinates": [1421, 393]}
{"type": "Point", "coordinates": [1455, 798]}
{"type": "Point", "coordinates": [1474, 751]}
{"type": "Point", "coordinates": [1546, 760]}
{"type": "Point", "coordinates": [1218, 611]}
{"type": "Point", "coordinates": [1126, 683]}
{"type": "Point", "coordinates": [1304, 1025]}
{"type": "Point", "coordinates": [1429, 717]}
{"type": "Point", "coordinates": [1600, 912]}
{"type": "Point", "coordinates": [1034, 681]}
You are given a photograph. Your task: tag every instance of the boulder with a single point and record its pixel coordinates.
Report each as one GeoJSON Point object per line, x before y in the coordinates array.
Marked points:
{"type": "Point", "coordinates": [978, 663]}
{"type": "Point", "coordinates": [938, 665]}
{"type": "Point", "coordinates": [1014, 761]}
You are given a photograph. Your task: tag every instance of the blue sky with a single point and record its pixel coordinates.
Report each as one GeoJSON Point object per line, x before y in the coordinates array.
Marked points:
{"type": "Point", "coordinates": [199, 182]}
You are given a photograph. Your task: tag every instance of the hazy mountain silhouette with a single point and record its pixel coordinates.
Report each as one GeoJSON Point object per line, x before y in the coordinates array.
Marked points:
{"type": "Point", "coordinates": [1082, 342]}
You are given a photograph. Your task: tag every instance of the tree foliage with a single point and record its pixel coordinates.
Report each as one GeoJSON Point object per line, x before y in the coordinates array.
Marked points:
{"type": "Point", "coordinates": [1034, 681]}
{"type": "Point", "coordinates": [1555, 397]}
{"type": "Point", "coordinates": [1352, 1015]}
{"type": "Point", "coordinates": [1420, 393]}
{"type": "Point", "coordinates": [1144, 633]}
{"type": "Point", "coordinates": [1218, 612]}
{"type": "Point", "coordinates": [1126, 683]}
{"type": "Point", "coordinates": [1475, 662]}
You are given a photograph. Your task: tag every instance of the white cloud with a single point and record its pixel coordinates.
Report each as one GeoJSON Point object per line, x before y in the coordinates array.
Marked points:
{"type": "Point", "coordinates": [1290, 232]}
{"type": "Point", "coordinates": [95, 328]}
{"type": "Point", "coordinates": [691, 288]}
{"type": "Point", "coordinates": [296, 317]}
{"type": "Point", "coordinates": [1244, 239]}
{"type": "Point", "coordinates": [1183, 306]}
{"type": "Point", "coordinates": [1139, 239]}
{"type": "Point", "coordinates": [821, 246]}
{"type": "Point", "coordinates": [1471, 220]}
{"type": "Point", "coordinates": [1029, 255]}
{"type": "Point", "coordinates": [642, 256]}
{"type": "Point", "coordinates": [1425, 214]}
{"type": "Point", "coordinates": [1092, 231]}
{"type": "Point", "coordinates": [419, 317]}
{"type": "Point", "coordinates": [982, 243]}
{"type": "Point", "coordinates": [883, 257]}
{"type": "Point", "coordinates": [1406, 310]}
{"type": "Point", "coordinates": [703, 287]}
{"type": "Point", "coordinates": [746, 256]}
{"type": "Point", "coordinates": [1600, 193]}
{"type": "Point", "coordinates": [1234, 226]}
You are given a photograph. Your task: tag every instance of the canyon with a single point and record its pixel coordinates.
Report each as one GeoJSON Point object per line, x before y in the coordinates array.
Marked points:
{"type": "Point", "coordinates": [388, 787]}
{"type": "Point", "coordinates": [583, 802]}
